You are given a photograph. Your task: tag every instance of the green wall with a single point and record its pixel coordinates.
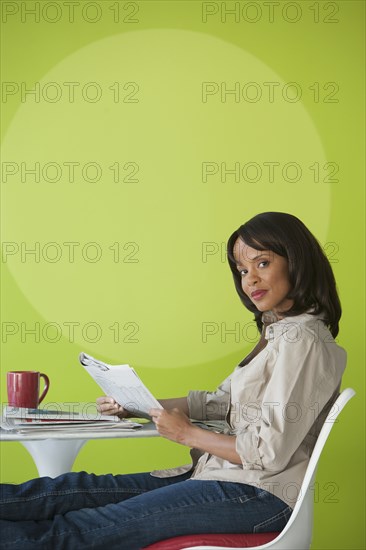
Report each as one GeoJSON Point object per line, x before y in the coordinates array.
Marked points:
{"type": "Point", "coordinates": [136, 137]}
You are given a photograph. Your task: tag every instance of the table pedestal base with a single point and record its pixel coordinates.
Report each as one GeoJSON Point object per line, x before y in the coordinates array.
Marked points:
{"type": "Point", "coordinates": [54, 457]}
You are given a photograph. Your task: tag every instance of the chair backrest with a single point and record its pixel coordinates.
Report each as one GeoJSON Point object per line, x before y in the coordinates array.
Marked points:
{"type": "Point", "coordinates": [297, 534]}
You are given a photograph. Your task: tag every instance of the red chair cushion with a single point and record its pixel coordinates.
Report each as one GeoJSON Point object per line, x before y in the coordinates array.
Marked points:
{"type": "Point", "coordinates": [242, 540]}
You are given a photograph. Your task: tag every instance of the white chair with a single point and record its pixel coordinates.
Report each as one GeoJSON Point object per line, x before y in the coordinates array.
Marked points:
{"type": "Point", "coordinates": [297, 534]}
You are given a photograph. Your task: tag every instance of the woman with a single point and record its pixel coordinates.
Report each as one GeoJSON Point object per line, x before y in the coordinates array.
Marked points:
{"type": "Point", "coordinates": [248, 476]}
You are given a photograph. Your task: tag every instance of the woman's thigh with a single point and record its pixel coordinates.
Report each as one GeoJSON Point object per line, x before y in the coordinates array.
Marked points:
{"type": "Point", "coordinates": [186, 507]}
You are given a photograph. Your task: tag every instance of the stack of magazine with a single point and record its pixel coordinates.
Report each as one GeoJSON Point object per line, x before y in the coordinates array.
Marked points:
{"type": "Point", "coordinates": [24, 420]}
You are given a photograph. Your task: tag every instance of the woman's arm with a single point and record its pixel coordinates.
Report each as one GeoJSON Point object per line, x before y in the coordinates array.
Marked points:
{"type": "Point", "coordinates": [176, 426]}
{"type": "Point", "coordinates": [107, 405]}
{"type": "Point", "coordinates": [179, 403]}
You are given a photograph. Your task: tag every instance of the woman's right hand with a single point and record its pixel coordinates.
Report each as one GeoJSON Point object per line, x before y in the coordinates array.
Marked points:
{"type": "Point", "coordinates": [107, 405]}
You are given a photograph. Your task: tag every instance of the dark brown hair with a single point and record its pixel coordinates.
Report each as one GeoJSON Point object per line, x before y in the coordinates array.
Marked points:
{"type": "Point", "coordinates": [311, 277]}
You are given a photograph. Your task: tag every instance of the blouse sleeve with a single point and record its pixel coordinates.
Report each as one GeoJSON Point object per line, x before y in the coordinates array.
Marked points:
{"type": "Point", "coordinates": [306, 373]}
{"type": "Point", "coordinates": [204, 405]}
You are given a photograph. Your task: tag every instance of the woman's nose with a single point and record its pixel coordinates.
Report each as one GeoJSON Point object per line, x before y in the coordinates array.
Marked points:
{"type": "Point", "coordinates": [251, 278]}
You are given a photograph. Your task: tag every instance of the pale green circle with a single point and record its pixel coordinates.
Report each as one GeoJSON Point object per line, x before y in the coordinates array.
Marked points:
{"type": "Point", "coordinates": [170, 213]}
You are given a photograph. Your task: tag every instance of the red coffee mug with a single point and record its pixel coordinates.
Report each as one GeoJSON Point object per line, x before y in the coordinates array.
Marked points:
{"type": "Point", "coordinates": [23, 388]}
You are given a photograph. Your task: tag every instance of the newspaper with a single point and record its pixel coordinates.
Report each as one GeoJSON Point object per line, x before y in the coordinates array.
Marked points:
{"type": "Point", "coordinates": [34, 426]}
{"type": "Point", "coordinates": [68, 415]}
{"type": "Point", "coordinates": [123, 384]}
{"type": "Point", "coordinates": [25, 420]}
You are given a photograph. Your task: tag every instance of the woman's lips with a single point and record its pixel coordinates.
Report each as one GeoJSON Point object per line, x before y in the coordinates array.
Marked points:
{"type": "Point", "coordinates": [258, 294]}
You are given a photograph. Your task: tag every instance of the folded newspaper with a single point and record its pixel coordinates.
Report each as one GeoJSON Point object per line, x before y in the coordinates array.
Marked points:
{"type": "Point", "coordinates": [123, 384]}
{"type": "Point", "coordinates": [25, 420]}
{"type": "Point", "coordinates": [68, 414]}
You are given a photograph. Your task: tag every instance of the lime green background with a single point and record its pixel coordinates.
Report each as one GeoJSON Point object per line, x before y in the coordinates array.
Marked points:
{"type": "Point", "coordinates": [170, 291]}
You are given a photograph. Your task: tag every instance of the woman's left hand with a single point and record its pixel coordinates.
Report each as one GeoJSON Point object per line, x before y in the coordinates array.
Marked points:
{"type": "Point", "coordinates": [176, 426]}
{"type": "Point", "coordinates": [172, 424]}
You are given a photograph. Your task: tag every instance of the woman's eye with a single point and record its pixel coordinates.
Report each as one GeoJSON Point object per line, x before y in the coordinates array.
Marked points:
{"type": "Point", "coordinates": [264, 263]}
{"type": "Point", "coordinates": [243, 272]}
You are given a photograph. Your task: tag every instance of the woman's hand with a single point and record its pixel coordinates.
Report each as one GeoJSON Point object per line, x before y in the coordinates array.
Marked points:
{"type": "Point", "coordinates": [172, 424]}
{"type": "Point", "coordinates": [107, 405]}
{"type": "Point", "coordinates": [175, 425]}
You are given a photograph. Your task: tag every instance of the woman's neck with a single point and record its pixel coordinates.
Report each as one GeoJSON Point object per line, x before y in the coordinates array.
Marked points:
{"type": "Point", "coordinates": [269, 317]}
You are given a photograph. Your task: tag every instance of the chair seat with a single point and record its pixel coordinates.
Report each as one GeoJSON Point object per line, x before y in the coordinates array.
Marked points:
{"type": "Point", "coordinates": [242, 540]}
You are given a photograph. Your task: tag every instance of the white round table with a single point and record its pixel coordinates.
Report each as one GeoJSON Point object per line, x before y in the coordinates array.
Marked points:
{"type": "Point", "coordinates": [54, 452]}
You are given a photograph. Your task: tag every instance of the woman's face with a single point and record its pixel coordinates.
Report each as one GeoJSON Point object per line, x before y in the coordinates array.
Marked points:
{"type": "Point", "coordinates": [264, 277]}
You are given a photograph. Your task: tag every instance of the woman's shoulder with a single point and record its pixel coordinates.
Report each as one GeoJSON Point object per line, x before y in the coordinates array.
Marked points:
{"type": "Point", "coordinates": [307, 338]}
{"type": "Point", "coordinates": [296, 324]}
{"type": "Point", "coordinates": [306, 328]}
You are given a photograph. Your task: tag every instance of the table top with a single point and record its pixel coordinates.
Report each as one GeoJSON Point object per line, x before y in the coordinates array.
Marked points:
{"type": "Point", "coordinates": [147, 430]}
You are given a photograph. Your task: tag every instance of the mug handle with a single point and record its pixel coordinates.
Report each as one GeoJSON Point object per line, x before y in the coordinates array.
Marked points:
{"type": "Point", "coordinates": [46, 386]}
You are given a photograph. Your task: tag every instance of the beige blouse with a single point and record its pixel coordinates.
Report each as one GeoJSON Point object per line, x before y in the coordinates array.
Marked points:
{"type": "Point", "coordinates": [275, 405]}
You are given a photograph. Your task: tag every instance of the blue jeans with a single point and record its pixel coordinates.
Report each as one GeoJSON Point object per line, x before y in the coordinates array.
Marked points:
{"type": "Point", "coordinates": [107, 512]}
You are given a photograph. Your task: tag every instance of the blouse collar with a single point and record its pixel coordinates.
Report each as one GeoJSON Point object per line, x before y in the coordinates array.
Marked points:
{"type": "Point", "coordinates": [274, 326]}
